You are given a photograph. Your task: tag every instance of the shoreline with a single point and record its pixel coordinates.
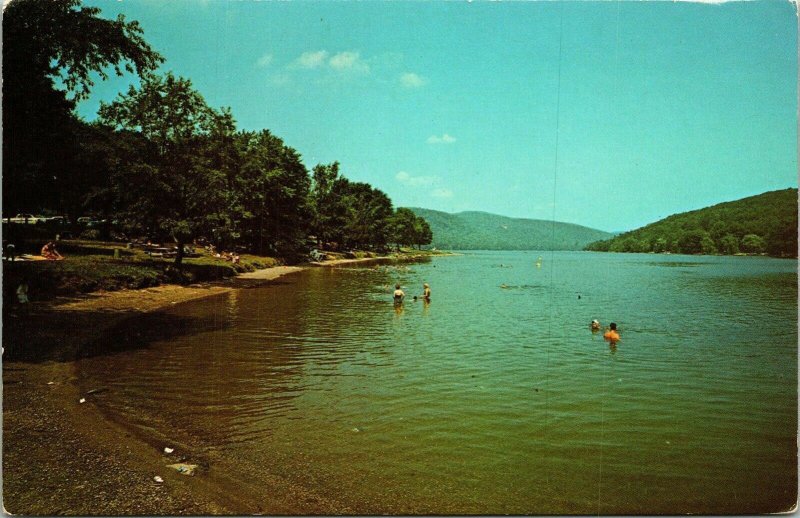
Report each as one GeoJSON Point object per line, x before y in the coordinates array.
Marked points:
{"type": "Point", "coordinates": [66, 457]}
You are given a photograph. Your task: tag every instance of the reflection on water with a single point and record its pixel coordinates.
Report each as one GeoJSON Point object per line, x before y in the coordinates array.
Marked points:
{"type": "Point", "coordinates": [486, 400]}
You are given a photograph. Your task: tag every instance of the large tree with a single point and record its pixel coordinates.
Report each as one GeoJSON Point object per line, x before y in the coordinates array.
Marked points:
{"type": "Point", "coordinates": [271, 194]}
{"type": "Point", "coordinates": [403, 227]}
{"type": "Point", "coordinates": [422, 232]}
{"type": "Point", "coordinates": [329, 209]}
{"type": "Point", "coordinates": [51, 51]}
{"type": "Point", "coordinates": [180, 185]}
{"type": "Point", "coordinates": [369, 212]}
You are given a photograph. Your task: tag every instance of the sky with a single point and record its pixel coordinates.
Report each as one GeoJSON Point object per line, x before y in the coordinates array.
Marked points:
{"type": "Point", "coordinates": [606, 114]}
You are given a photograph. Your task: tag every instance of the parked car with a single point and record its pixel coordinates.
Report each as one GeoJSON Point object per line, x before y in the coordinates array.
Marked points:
{"type": "Point", "coordinates": [27, 218]}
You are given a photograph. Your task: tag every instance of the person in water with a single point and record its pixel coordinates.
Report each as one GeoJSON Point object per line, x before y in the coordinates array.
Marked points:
{"type": "Point", "coordinates": [612, 333]}
{"type": "Point", "coordinates": [398, 294]}
{"type": "Point", "coordinates": [426, 292]}
{"type": "Point", "coordinates": [595, 325]}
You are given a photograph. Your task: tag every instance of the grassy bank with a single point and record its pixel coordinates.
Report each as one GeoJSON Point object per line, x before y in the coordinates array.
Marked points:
{"type": "Point", "coordinates": [103, 266]}
{"type": "Point", "coordinates": [91, 266]}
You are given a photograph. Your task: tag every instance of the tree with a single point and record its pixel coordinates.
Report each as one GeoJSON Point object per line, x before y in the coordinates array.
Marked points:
{"type": "Point", "coordinates": [45, 43]}
{"type": "Point", "coordinates": [753, 244]}
{"type": "Point", "coordinates": [422, 232]}
{"type": "Point", "coordinates": [178, 185]}
{"type": "Point", "coordinates": [272, 194]}
{"type": "Point", "coordinates": [707, 246]}
{"type": "Point", "coordinates": [691, 242]}
{"type": "Point", "coordinates": [403, 227]}
{"type": "Point", "coordinates": [329, 212]}
{"type": "Point", "coordinates": [729, 245]}
{"type": "Point", "coordinates": [368, 214]}
{"type": "Point", "coordinates": [782, 241]}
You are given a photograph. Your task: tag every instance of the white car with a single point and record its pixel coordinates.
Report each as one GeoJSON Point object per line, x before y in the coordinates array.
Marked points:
{"type": "Point", "coordinates": [27, 218]}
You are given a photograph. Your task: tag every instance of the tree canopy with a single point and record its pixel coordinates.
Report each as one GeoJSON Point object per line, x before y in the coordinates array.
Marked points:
{"type": "Point", "coordinates": [50, 51]}
{"type": "Point", "coordinates": [159, 160]}
{"type": "Point", "coordinates": [766, 223]}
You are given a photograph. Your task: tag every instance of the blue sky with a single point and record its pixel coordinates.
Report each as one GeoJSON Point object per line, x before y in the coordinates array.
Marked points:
{"type": "Point", "coordinates": [659, 107]}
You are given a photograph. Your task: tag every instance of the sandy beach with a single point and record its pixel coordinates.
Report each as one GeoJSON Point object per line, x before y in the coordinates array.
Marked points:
{"type": "Point", "coordinates": [62, 456]}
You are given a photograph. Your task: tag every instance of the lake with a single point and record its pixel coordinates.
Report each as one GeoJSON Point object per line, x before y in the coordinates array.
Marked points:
{"type": "Point", "coordinates": [494, 398]}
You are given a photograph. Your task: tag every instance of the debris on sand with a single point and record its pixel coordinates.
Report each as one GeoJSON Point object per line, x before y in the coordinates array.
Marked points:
{"type": "Point", "coordinates": [183, 469]}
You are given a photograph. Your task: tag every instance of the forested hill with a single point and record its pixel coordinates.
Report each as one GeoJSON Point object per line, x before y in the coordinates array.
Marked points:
{"type": "Point", "coordinates": [483, 231]}
{"type": "Point", "coordinates": [766, 223]}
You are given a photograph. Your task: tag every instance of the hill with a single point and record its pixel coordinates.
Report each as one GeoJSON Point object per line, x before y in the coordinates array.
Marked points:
{"type": "Point", "coordinates": [766, 223]}
{"type": "Point", "coordinates": [484, 231]}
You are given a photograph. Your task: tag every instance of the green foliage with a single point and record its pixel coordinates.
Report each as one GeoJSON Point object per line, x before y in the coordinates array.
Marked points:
{"type": "Point", "coordinates": [423, 235]}
{"type": "Point", "coordinates": [48, 43]}
{"type": "Point", "coordinates": [729, 245]}
{"type": "Point", "coordinates": [404, 226]}
{"type": "Point", "coordinates": [271, 210]}
{"type": "Point", "coordinates": [330, 212]}
{"type": "Point", "coordinates": [482, 231]}
{"type": "Point", "coordinates": [350, 214]}
{"type": "Point", "coordinates": [754, 225]}
{"type": "Point", "coordinates": [159, 163]}
{"type": "Point", "coordinates": [753, 244]}
{"type": "Point", "coordinates": [178, 185]}
{"type": "Point", "coordinates": [368, 215]}
{"type": "Point", "coordinates": [781, 241]}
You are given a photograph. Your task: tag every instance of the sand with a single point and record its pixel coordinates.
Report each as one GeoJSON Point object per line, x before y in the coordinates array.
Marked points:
{"type": "Point", "coordinates": [62, 456]}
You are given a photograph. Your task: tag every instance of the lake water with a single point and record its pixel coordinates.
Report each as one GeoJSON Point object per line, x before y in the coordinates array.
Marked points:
{"type": "Point", "coordinates": [490, 399]}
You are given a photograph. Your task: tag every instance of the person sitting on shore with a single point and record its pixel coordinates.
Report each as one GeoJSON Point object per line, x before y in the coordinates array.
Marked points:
{"type": "Point", "coordinates": [50, 253]}
{"type": "Point", "coordinates": [612, 333]}
{"type": "Point", "coordinates": [595, 325]}
{"type": "Point", "coordinates": [399, 295]}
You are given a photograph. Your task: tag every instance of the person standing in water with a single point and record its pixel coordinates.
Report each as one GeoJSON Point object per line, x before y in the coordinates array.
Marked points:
{"type": "Point", "coordinates": [426, 293]}
{"type": "Point", "coordinates": [398, 295]}
{"type": "Point", "coordinates": [612, 333]}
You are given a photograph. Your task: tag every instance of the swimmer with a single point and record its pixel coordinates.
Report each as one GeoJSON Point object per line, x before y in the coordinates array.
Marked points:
{"type": "Point", "coordinates": [398, 294]}
{"type": "Point", "coordinates": [595, 325]}
{"type": "Point", "coordinates": [426, 293]}
{"type": "Point", "coordinates": [612, 333]}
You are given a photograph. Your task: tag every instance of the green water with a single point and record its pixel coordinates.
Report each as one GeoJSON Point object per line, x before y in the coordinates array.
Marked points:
{"type": "Point", "coordinates": [490, 399]}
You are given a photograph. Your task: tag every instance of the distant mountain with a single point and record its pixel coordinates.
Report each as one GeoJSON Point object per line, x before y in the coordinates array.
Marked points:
{"type": "Point", "coordinates": [766, 223]}
{"type": "Point", "coordinates": [484, 231]}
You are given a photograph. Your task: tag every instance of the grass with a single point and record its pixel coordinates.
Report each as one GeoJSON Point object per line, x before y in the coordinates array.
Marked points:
{"type": "Point", "coordinates": [91, 266]}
